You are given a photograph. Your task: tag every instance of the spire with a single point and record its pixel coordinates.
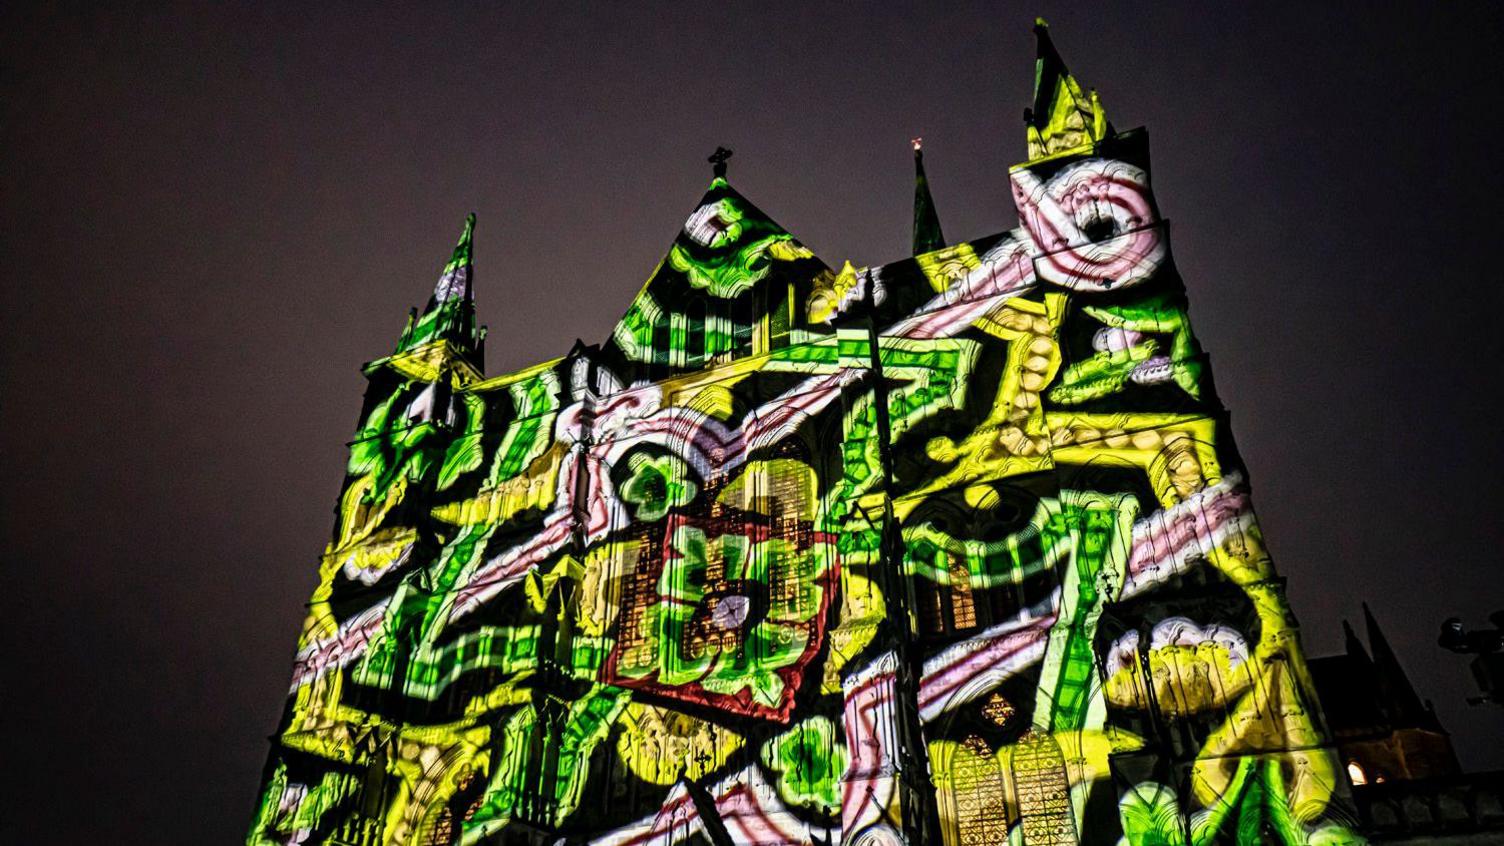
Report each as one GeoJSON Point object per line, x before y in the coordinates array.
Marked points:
{"type": "Point", "coordinates": [450, 313]}
{"type": "Point", "coordinates": [1393, 682]}
{"type": "Point", "coordinates": [1351, 643]}
{"type": "Point", "coordinates": [927, 234]}
{"type": "Point", "coordinates": [454, 282]}
{"type": "Point", "coordinates": [1063, 117]}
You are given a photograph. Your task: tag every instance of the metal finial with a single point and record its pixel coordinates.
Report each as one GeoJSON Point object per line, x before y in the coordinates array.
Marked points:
{"type": "Point", "coordinates": [918, 143]}
{"type": "Point", "coordinates": [718, 161]}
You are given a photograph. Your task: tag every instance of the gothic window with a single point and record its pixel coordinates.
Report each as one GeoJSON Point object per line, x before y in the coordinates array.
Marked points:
{"type": "Point", "coordinates": [981, 806]}
{"type": "Point", "coordinates": [963, 612]}
{"type": "Point", "coordinates": [442, 833]}
{"type": "Point", "coordinates": [1043, 786]}
{"type": "Point", "coordinates": [1356, 774]}
{"type": "Point", "coordinates": [944, 600]}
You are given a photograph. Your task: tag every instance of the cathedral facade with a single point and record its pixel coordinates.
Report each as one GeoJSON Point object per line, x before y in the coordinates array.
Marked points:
{"type": "Point", "coordinates": [953, 550]}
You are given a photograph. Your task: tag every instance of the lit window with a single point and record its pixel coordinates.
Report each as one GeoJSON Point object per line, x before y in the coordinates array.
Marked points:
{"type": "Point", "coordinates": [1355, 772]}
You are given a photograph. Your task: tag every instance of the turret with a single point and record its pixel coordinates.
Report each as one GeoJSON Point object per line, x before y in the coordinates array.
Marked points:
{"type": "Point", "coordinates": [1064, 116]}
{"type": "Point", "coordinates": [449, 316]}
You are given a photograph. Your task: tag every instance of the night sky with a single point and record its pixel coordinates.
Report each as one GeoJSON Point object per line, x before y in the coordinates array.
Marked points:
{"type": "Point", "coordinates": [212, 217]}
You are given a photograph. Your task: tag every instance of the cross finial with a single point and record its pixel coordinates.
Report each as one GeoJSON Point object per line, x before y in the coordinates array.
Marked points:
{"type": "Point", "coordinates": [718, 161]}
{"type": "Point", "coordinates": [918, 143]}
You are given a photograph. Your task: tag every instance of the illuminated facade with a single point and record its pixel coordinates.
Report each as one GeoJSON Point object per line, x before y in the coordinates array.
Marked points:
{"type": "Point", "coordinates": [952, 550]}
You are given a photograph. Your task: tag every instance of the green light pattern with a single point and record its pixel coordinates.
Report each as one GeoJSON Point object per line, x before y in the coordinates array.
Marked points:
{"type": "Point", "coordinates": [736, 575]}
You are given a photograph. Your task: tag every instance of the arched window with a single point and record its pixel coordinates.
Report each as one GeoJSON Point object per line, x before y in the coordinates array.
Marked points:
{"type": "Point", "coordinates": [1356, 774]}
{"type": "Point", "coordinates": [1043, 785]}
{"type": "Point", "coordinates": [981, 807]}
{"type": "Point", "coordinates": [944, 600]}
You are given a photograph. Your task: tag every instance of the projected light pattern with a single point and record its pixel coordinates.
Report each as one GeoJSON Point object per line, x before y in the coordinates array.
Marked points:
{"type": "Point", "coordinates": [951, 550]}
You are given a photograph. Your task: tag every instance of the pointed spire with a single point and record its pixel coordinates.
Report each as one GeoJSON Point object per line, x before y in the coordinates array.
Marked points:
{"type": "Point", "coordinates": [1393, 682]}
{"type": "Point", "coordinates": [1063, 117]}
{"type": "Point", "coordinates": [1351, 643]}
{"type": "Point", "coordinates": [927, 234]}
{"type": "Point", "coordinates": [450, 312]}
{"type": "Point", "coordinates": [454, 282]}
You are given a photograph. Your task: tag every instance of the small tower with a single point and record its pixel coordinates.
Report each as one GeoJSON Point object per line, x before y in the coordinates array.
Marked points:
{"type": "Point", "coordinates": [441, 350]}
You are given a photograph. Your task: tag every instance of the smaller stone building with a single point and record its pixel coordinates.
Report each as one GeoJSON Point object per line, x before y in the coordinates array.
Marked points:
{"type": "Point", "coordinates": [1407, 784]}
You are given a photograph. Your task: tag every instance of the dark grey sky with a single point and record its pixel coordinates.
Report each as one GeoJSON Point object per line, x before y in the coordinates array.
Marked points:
{"type": "Point", "coordinates": [212, 216]}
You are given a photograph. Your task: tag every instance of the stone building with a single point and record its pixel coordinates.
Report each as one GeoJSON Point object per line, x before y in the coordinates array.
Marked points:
{"type": "Point", "coordinates": [1407, 784]}
{"type": "Point", "coordinates": [955, 549]}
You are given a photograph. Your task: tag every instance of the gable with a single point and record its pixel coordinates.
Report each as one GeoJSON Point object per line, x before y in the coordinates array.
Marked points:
{"type": "Point", "coordinates": [732, 285]}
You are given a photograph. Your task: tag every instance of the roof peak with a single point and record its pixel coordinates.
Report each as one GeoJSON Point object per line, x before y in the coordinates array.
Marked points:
{"type": "Point", "coordinates": [1393, 679]}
